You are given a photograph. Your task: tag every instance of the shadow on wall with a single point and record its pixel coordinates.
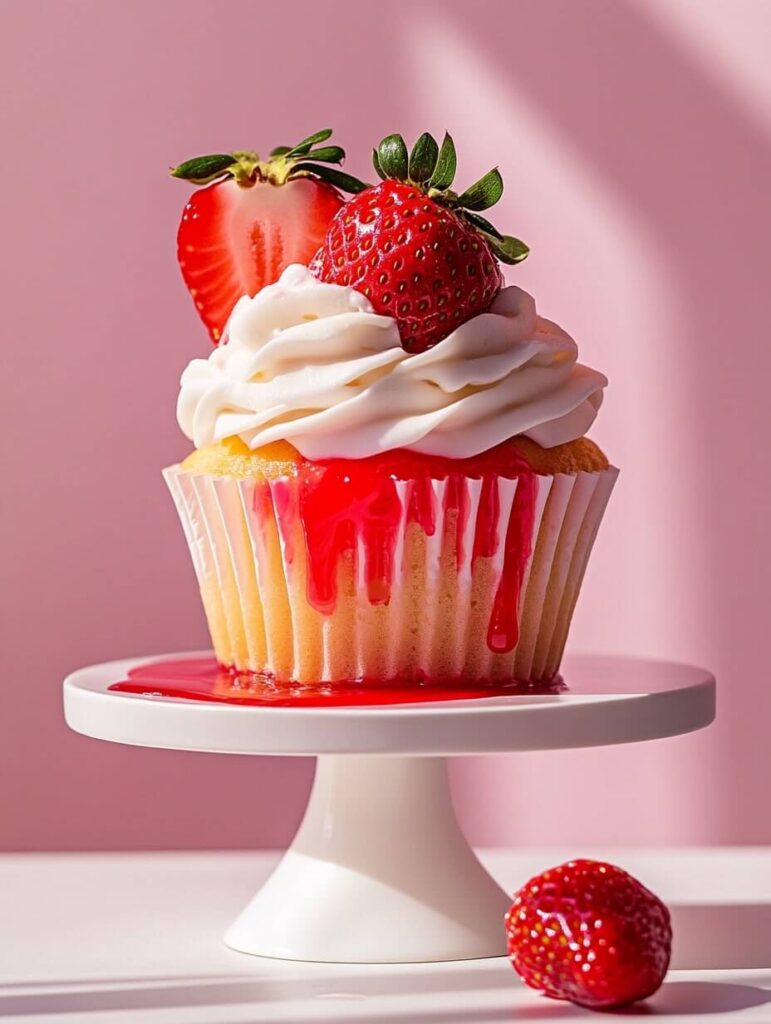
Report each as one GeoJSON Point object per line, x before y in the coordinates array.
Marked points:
{"type": "Point", "coordinates": [658, 131]}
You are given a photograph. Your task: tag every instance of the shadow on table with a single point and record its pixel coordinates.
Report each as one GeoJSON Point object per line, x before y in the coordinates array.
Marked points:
{"type": "Point", "coordinates": [298, 983]}
{"type": "Point", "coordinates": [706, 937]}
{"type": "Point", "coordinates": [691, 998]}
{"type": "Point", "coordinates": [684, 998]}
{"type": "Point", "coordinates": [721, 936]}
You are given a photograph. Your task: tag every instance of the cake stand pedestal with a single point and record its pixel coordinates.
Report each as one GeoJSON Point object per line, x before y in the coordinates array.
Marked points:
{"type": "Point", "coordinates": [379, 871]}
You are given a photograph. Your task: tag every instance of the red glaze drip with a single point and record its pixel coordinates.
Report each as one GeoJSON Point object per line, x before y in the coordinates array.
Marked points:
{"type": "Point", "coordinates": [503, 630]}
{"type": "Point", "coordinates": [420, 507]}
{"type": "Point", "coordinates": [350, 505]}
{"type": "Point", "coordinates": [456, 500]}
{"type": "Point", "coordinates": [205, 679]}
{"type": "Point", "coordinates": [486, 535]}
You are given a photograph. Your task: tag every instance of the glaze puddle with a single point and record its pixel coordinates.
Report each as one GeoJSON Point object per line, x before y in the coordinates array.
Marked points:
{"type": "Point", "coordinates": [204, 679]}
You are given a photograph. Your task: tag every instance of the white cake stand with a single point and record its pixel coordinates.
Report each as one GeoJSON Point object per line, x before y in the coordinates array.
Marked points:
{"type": "Point", "coordinates": [379, 871]}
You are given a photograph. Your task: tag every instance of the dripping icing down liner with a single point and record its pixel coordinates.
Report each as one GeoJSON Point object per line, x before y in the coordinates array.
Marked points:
{"type": "Point", "coordinates": [250, 557]}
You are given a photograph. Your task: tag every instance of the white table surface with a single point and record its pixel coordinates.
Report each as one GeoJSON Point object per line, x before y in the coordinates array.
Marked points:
{"type": "Point", "coordinates": [98, 938]}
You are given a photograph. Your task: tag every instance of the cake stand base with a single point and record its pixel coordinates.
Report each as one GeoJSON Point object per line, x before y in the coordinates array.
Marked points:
{"type": "Point", "coordinates": [379, 871]}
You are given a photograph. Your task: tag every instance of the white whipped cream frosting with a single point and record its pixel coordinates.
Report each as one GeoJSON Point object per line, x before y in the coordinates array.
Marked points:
{"type": "Point", "coordinates": [313, 364]}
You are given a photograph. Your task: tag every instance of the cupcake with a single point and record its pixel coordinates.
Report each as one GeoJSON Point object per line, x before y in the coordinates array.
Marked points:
{"type": "Point", "coordinates": [391, 482]}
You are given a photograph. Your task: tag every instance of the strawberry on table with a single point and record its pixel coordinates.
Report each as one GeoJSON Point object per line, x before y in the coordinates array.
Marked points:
{"type": "Point", "coordinates": [588, 932]}
{"type": "Point", "coordinates": [254, 218]}
{"type": "Point", "coordinates": [420, 252]}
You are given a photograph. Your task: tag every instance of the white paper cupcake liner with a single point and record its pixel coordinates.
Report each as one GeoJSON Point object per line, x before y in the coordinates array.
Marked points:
{"type": "Point", "coordinates": [248, 549]}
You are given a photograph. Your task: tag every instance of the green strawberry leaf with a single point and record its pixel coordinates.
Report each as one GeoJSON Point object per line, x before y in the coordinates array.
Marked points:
{"type": "Point", "coordinates": [376, 164]}
{"type": "Point", "coordinates": [423, 158]}
{"type": "Point", "coordinates": [393, 157]}
{"type": "Point", "coordinates": [483, 225]}
{"type": "Point", "coordinates": [203, 169]}
{"type": "Point", "coordinates": [483, 193]}
{"type": "Point", "coordinates": [444, 172]}
{"type": "Point", "coordinates": [510, 250]}
{"type": "Point", "coordinates": [304, 147]}
{"type": "Point", "coordinates": [328, 154]}
{"type": "Point", "coordinates": [331, 175]}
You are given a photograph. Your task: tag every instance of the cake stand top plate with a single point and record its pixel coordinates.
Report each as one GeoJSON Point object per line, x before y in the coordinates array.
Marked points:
{"type": "Point", "coordinates": [610, 700]}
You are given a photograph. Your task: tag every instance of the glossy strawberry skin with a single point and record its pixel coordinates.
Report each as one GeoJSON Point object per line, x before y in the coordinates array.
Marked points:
{"type": "Point", "coordinates": [590, 933]}
{"type": "Point", "coordinates": [415, 260]}
{"type": "Point", "coordinates": [234, 240]}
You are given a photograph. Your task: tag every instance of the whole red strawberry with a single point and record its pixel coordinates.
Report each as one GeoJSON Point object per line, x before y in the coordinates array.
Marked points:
{"type": "Point", "coordinates": [590, 933]}
{"type": "Point", "coordinates": [419, 252]}
{"type": "Point", "coordinates": [253, 219]}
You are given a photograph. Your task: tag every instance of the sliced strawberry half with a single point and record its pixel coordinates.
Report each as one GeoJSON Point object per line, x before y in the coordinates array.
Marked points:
{"type": "Point", "coordinates": [253, 219]}
{"type": "Point", "coordinates": [233, 241]}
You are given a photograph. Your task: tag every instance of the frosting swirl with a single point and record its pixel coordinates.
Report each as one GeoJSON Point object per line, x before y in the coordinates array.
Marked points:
{"type": "Point", "coordinates": [313, 364]}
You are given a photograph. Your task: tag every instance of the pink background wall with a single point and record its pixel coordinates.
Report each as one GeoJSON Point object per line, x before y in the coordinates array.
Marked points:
{"type": "Point", "coordinates": [635, 140]}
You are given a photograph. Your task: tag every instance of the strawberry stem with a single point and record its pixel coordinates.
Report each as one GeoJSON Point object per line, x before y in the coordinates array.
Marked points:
{"type": "Point", "coordinates": [283, 164]}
